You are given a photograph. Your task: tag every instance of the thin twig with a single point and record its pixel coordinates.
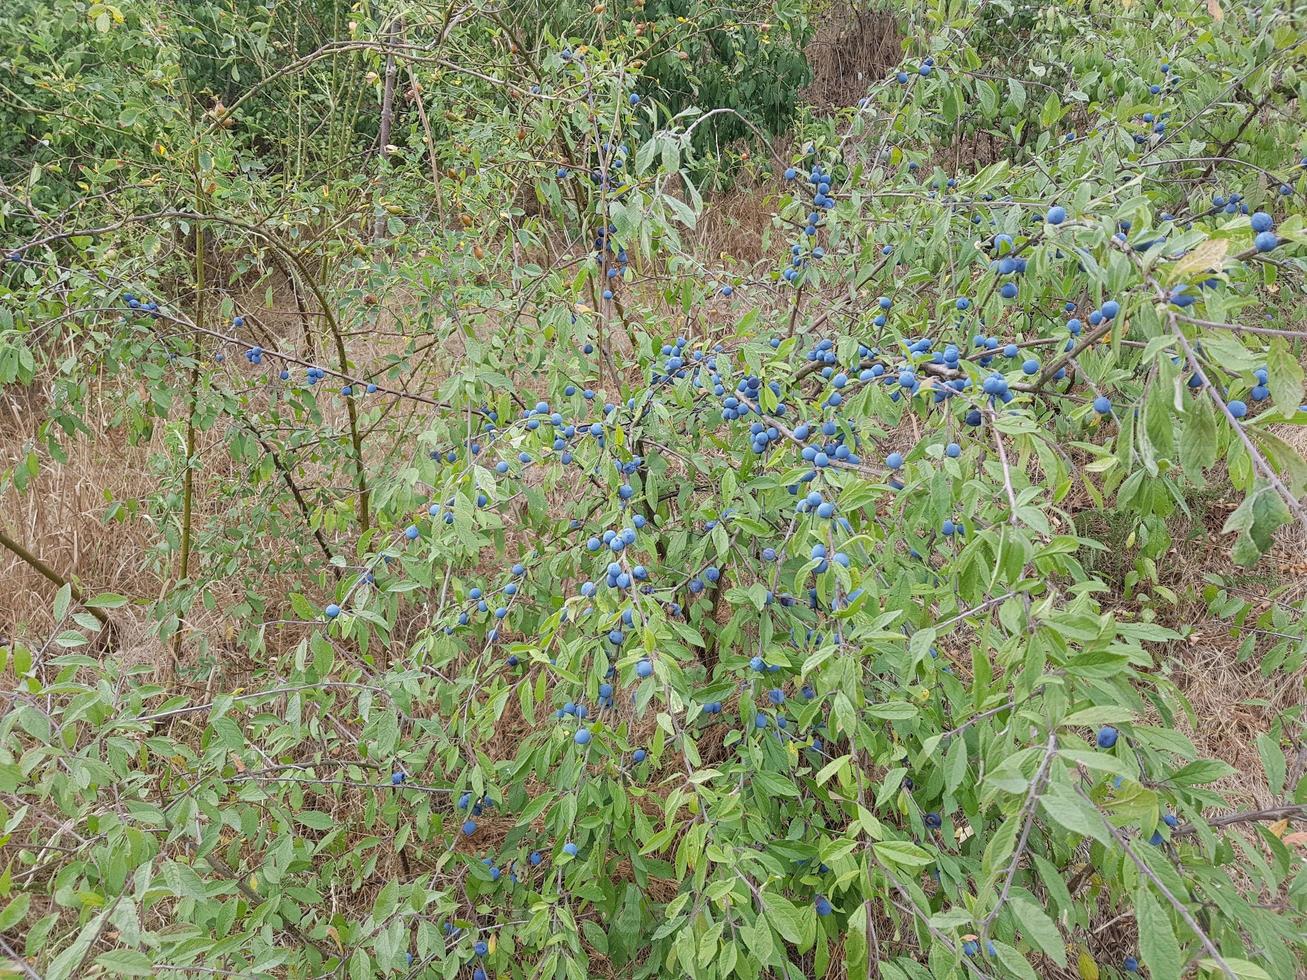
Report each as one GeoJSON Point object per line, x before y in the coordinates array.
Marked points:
{"type": "Point", "coordinates": [1160, 885]}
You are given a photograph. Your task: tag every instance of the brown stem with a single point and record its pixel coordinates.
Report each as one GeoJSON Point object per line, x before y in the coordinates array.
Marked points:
{"type": "Point", "coordinates": [294, 489]}
{"type": "Point", "coordinates": [421, 106]}
{"type": "Point", "coordinates": [1293, 811]}
{"type": "Point", "coordinates": [387, 112]}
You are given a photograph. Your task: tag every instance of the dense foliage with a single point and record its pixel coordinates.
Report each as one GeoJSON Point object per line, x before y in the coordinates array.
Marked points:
{"type": "Point", "coordinates": [560, 599]}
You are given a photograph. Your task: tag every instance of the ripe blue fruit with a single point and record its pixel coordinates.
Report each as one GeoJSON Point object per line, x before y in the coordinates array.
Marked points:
{"type": "Point", "coordinates": [934, 821]}
{"type": "Point", "coordinates": [924, 70]}
{"type": "Point", "coordinates": [582, 736]}
{"type": "Point", "coordinates": [644, 669]}
{"type": "Point", "coordinates": [1261, 221]}
{"type": "Point", "coordinates": [963, 303]}
{"type": "Point", "coordinates": [569, 849]}
{"type": "Point", "coordinates": [1238, 409]}
{"type": "Point", "coordinates": [1106, 737]}
{"type": "Point", "coordinates": [469, 827]}
{"type": "Point", "coordinates": [1102, 405]}
{"type": "Point", "coordinates": [1008, 290]}
{"type": "Point", "coordinates": [1265, 241]}
{"type": "Point", "coordinates": [481, 947]}
{"type": "Point", "coordinates": [332, 611]}
{"type": "Point", "coordinates": [823, 905]}
{"type": "Point", "coordinates": [1130, 965]}
{"type": "Point", "coordinates": [639, 755]}
{"type": "Point", "coordinates": [479, 974]}
{"type": "Point", "coordinates": [635, 98]}
{"type": "Point", "coordinates": [396, 778]}
{"type": "Point", "coordinates": [1056, 214]}
{"type": "Point", "coordinates": [1030, 366]}
{"type": "Point", "coordinates": [894, 461]}
{"type": "Point", "coordinates": [953, 450]}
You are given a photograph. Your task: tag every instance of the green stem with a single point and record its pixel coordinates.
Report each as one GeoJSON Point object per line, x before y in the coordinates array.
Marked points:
{"type": "Point", "coordinates": [49, 573]}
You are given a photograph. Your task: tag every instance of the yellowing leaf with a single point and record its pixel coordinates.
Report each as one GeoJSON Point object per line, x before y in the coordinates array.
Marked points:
{"type": "Point", "coordinates": [1086, 966]}
{"type": "Point", "coordinates": [1206, 257]}
{"type": "Point", "coordinates": [1214, 8]}
{"type": "Point", "coordinates": [1279, 827]}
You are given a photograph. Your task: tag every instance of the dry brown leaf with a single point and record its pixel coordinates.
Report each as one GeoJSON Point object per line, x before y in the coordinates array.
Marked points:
{"type": "Point", "coordinates": [1279, 827]}
{"type": "Point", "coordinates": [1299, 838]}
{"type": "Point", "coordinates": [1214, 8]}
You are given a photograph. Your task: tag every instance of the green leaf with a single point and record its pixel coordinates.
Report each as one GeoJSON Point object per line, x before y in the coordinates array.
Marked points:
{"type": "Point", "coordinates": [1198, 438]}
{"type": "Point", "coordinates": [1071, 812]}
{"type": "Point", "coordinates": [1157, 942]}
{"type": "Point", "coordinates": [1273, 763]}
{"type": "Point", "coordinates": [15, 912]}
{"type": "Point", "coordinates": [1284, 377]}
{"type": "Point", "coordinates": [1201, 771]}
{"type": "Point", "coordinates": [902, 853]}
{"type": "Point", "coordinates": [1097, 716]}
{"type": "Point", "coordinates": [1015, 962]}
{"type": "Point", "coordinates": [126, 963]}
{"type": "Point", "coordinates": [955, 765]}
{"type": "Point", "coordinates": [62, 599]}
{"type": "Point", "coordinates": [315, 819]}
{"type": "Point", "coordinates": [1039, 928]}
{"type": "Point", "coordinates": [893, 711]}
{"type": "Point", "coordinates": [107, 600]}
{"type": "Point", "coordinates": [1256, 520]}
{"type": "Point", "coordinates": [1243, 969]}
{"type": "Point", "coordinates": [784, 916]}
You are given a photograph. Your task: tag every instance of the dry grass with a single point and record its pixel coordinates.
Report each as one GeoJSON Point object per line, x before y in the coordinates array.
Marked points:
{"type": "Point", "coordinates": [853, 47]}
